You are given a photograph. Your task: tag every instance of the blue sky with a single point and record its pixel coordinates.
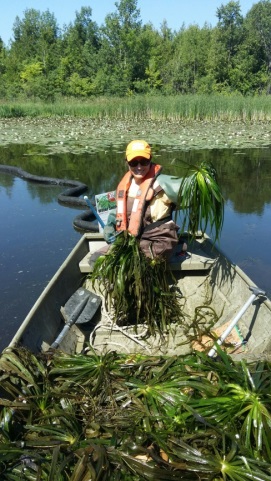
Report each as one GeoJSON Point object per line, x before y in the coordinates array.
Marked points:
{"type": "Point", "coordinates": [175, 12]}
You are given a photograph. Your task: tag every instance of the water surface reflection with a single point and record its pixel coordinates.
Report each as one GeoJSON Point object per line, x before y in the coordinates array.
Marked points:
{"type": "Point", "coordinates": [37, 233]}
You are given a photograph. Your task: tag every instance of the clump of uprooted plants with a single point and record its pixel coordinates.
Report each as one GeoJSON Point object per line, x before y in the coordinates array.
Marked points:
{"type": "Point", "coordinates": [115, 417]}
{"type": "Point", "coordinates": [139, 289]}
{"type": "Point", "coordinates": [136, 288]}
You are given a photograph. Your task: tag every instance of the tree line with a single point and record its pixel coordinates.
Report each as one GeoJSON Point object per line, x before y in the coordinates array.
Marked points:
{"type": "Point", "coordinates": [123, 56]}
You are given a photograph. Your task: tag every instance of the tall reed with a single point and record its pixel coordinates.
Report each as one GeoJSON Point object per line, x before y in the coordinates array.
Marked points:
{"type": "Point", "coordinates": [190, 107]}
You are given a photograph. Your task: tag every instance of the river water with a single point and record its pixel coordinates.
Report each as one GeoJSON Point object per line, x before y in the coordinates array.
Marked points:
{"type": "Point", "coordinates": [37, 232]}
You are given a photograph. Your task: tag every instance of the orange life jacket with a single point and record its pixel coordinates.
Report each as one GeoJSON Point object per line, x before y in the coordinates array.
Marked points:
{"type": "Point", "coordinates": [144, 194]}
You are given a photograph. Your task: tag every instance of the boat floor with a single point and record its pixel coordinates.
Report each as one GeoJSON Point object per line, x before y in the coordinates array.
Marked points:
{"type": "Point", "coordinates": [195, 331]}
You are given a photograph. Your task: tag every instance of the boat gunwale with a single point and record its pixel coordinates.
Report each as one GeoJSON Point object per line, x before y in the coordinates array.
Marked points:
{"type": "Point", "coordinates": [16, 338]}
{"type": "Point", "coordinates": [245, 277]}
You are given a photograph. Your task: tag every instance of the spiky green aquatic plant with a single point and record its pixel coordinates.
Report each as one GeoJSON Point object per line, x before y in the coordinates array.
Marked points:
{"type": "Point", "coordinates": [92, 370]}
{"type": "Point", "coordinates": [201, 200]}
{"type": "Point", "coordinates": [149, 419]}
{"type": "Point", "coordinates": [243, 406]}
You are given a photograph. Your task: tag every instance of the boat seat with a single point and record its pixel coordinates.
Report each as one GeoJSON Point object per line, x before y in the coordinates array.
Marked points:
{"type": "Point", "coordinates": [197, 260]}
{"type": "Point", "coordinates": [84, 265]}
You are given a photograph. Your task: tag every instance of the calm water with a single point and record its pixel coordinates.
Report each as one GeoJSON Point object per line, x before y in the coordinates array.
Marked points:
{"type": "Point", "coordinates": [37, 233]}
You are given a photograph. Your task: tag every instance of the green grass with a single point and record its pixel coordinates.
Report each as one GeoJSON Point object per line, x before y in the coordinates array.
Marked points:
{"type": "Point", "coordinates": [215, 107]}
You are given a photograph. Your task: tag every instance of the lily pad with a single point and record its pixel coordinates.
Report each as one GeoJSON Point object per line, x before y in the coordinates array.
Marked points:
{"type": "Point", "coordinates": [73, 135]}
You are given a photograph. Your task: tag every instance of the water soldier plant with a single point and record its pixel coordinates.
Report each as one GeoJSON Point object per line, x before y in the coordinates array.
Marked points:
{"type": "Point", "coordinates": [201, 201]}
{"type": "Point", "coordinates": [141, 290]}
{"type": "Point", "coordinates": [116, 417]}
{"type": "Point", "coordinates": [135, 287]}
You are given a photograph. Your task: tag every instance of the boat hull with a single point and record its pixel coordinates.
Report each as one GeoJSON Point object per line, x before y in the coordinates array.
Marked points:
{"type": "Point", "coordinates": [211, 287]}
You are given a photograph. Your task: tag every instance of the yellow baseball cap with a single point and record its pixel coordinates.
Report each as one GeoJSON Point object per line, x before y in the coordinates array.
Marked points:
{"type": "Point", "coordinates": [138, 148]}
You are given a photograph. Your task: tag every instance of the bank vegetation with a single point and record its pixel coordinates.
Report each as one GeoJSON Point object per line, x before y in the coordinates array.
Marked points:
{"type": "Point", "coordinates": [124, 57]}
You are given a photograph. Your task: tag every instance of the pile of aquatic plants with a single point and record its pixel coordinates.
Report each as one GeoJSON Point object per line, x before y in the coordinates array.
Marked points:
{"type": "Point", "coordinates": [133, 417]}
{"type": "Point", "coordinates": [136, 288]}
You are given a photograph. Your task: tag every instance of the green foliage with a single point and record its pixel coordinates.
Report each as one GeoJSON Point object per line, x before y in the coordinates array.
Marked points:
{"type": "Point", "coordinates": [153, 75]}
{"type": "Point", "coordinates": [201, 200]}
{"type": "Point", "coordinates": [132, 417]}
{"type": "Point", "coordinates": [79, 87]}
{"type": "Point", "coordinates": [122, 56]}
{"type": "Point", "coordinates": [31, 71]}
{"type": "Point", "coordinates": [189, 59]}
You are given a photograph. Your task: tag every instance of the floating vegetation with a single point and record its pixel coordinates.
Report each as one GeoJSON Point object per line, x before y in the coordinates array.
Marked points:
{"type": "Point", "coordinates": [130, 417]}
{"type": "Point", "coordinates": [86, 135]}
